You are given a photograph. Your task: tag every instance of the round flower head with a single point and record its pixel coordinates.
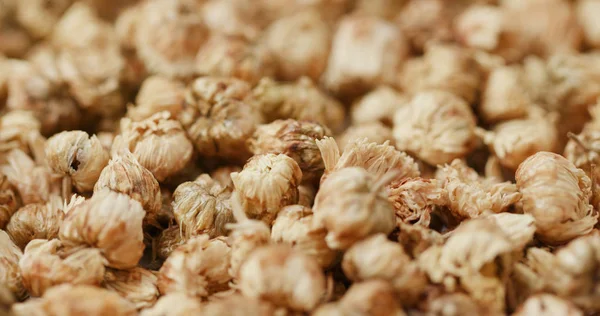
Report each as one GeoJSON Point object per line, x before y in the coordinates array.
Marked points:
{"type": "Point", "coordinates": [19, 129]}
{"type": "Point", "coordinates": [415, 198]}
{"type": "Point", "coordinates": [236, 18]}
{"type": "Point", "coordinates": [137, 285]}
{"type": "Point", "coordinates": [157, 94]}
{"type": "Point", "coordinates": [378, 105]}
{"type": "Point", "coordinates": [505, 95]}
{"type": "Point", "coordinates": [36, 220]}
{"type": "Point", "coordinates": [10, 276]}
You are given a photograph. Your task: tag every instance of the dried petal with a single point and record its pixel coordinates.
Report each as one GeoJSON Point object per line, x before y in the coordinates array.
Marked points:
{"type": "Point", "coordinates": [35, 184]}
{"type": "Point", "coordinates": [10, 276]}
{"type": "Point", "coordinates": [36, 221]}
{"type": "Point", "coordinates": [136, 285]}
{"type": "Point", "coordinates": [415, 198]}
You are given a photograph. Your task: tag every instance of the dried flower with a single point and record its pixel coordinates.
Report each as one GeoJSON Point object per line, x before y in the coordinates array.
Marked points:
{"type": "Point", "coordinates": [34, 183]}
{"type": "Point", "coordinates": [547, 305]}
{"type": "Point", "coordinates": [137, 285]}
{"type": "Point", "coordinates": [10, 276]}
{"type": "Point", "coordinates": [436, 126]}
{"type": "Point", "coordinates": [19, 130]}
{"type": "Point", "coordinates": [374, 132]}
{"type": "Point", "coordinates": [198, 268]}
{"type": "Point", "coordinates": [414, 199]}
{"type": "Point", "coordinates": [157, 94]}
{"type": "Point", "coordinates": [519, 228]}
{"type": "Point", "coordinates": [39, 18]}
{"type": "Point", "coordinates": [557, 194]}
{"type": "Point", "coordinates": [109, 221]}
{"type": "Point", "coordinates": [232, 17]}
{"type": "Point", "coordinates": [426, 21]}
{"type": "Point", "coordinates": [176, 304]}
{"type": "Point", "coordinates": [159, 143]}
{"type": "Point", "coordinates": [505, 95]}
{"type": "Point", "coordinates": [385, 9]}
{"type": "Point", "coordinates": [36, 221]}
{"type": "Point", "coordinates": [8, 201]}
{"type": "Point", "coordinates": [416, 238]}
{"type": "Point", "coordinates": [168, 240]}
{"type": "Point", "coordinates": [378, 105]}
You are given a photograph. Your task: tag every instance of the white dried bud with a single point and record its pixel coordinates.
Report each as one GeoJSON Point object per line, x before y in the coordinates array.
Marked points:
{"type": "Point", "coordinates": [505, 95]}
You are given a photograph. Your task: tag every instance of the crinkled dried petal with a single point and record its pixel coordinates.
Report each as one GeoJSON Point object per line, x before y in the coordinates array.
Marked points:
{"type": "Point", "coordinates": [36, 221]}
{"type": "Point", "coordinates": [374, 132]}
{"type": "Point", "coordinates": [35, 184]}
{"type": "Point", "coordinates": [415, 198]}
{"type": "Point", "coordinates": [175, 304]}
{"type": "Point", "coordinates": [168, 240]}
{"type": "Point", "coordinates": [378, 105]}
{"type": "Point", "coordinates": [8, 201]}
{"type": "Point", "coordinates": [10, 276]}
{"type": "Point", "coordinates": [157, 94]}
{"type": "Point", "coordinates": [137, 285]}
{"type": "Point", "coordinates": [547, 305]}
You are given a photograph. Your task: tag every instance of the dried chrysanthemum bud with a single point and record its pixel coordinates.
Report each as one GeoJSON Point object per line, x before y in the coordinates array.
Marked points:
{"type": "Point", "coordinates": [168, 36]}
{"type": "Point", "coordinates": [470, 196]}
{"type": "Point", "coordinates": [415, 198]}
{"type": "Point", "coordinates": [10, 276]}
{"type": "Point", "coordinates": [374, 132]}
{"type": "Point", "coordinates": [223, 175]}
{"type": "Point", "coordinates": [8, 201]}
{"type": "Point", "coordinates": [202, 208]}
{"type": "Point", "coordinates": [378, 105]}
{"type": "Point", "coordinates": [436, 126]}
{"type": "Point", "coordinates": [505, 95]}
{"type": "Point", "coordinates": [232, 18]}
{"type": "Point", "coordinates": [307, 54]}
{"type": "Point", "coordinates": [78, 156]}
{"type": "Point", "coordinates": [73, 300]}
{"type": "Point", "coordinates": [416, 238]}
{"type": "Point", "coordinates": [294, 226]}
{"type": "Point", "coordinates": [369, 298]}
{"type": "Point", "coordinates": [217, 119]}
{"type": "Point", "coordinates": [378, 258]}
{"type": "Point", "coordinates": [239, 305]}
{"type": "Point", "coordinates": [159, 143]}
{"type": "Point", "coordinates": [267, 183]}
{"type": "Point", "coordinates": [36, 221]}
{"type": "Point", "coordinates": [47, 263]}
{"type": "Point", "coordinates": [557, 194]}
{"type": "Point", "coordinates": [224, 56]}
{"type": "Point", "coordinates": [19, 130]}
{"type": "Point", "coordinates": [547, 305]}
{"type": "Point", "coordinates": [366, 52]}
{"type": "Point", "coordinates": [124, 174]}
{"type": "Point", "coordinates": [109, 221]}
{"type": "Point", "coordinates": [37, 17]}
{"type": "Point", "coordinates": [157, 94]}
{"type": "Point", "coordinates": [294, 139]}
{"type": "Point", "coordinates": [35, 184]}
{"type": "Point", "coordinates": [426, 21]}
{"type": "Point", "coordinates": [137, 285]}
{"type": "Point", "coordinates": [301, 100]}
{"type": "Point", "coordinates": [283, 277]}
{"type": "Point", "coordinates": [175, 304]}
{"type": "Point", "coordinates": [199, 267]}
{"type": "Point", "coordinates": [351, 205]}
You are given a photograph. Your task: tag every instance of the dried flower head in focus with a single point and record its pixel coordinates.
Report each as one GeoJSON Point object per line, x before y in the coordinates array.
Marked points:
{"type": "Point", "coordinates": [35, 183]}
{"type": "Point", "coordinates": [414, 199]}
{"type": "Point", "coordinates": [36, 221]}
{"type": "Point", "coordinates": [137, 285]}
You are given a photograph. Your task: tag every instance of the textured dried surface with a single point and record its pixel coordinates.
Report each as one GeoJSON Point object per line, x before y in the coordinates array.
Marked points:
{"type": "Point", "coordinates": [414, 199]}
{"type": "Point", "coordinates": [546, 304]}
{"type": "Point", "coordinates": [36, 221]}
{"type": "Point", "coordinates": [157, 94]}
{"type": "Point", "coordinates": [19, 129]}
{"type": "Point", "coordinates": [10, 276]}
{"type": "Point", "coordinates": [8, 201]}
{"type": "Point", "coordinates": [425, 21]}
{"type": "Point", "coordinates": [378, 105]}
{"type": "Point", "coordinates": [137, 285]}
{"type": "Point", "coordinates": [374, 132]}
{"type": "Point", "coordinates": [34, 183]}
{"type": "Point", "coordinates": [176, 304]}
{"type": "Point", "coordinates": [168, 240]}
{"type": "Point", "coordinates": [505, 95]}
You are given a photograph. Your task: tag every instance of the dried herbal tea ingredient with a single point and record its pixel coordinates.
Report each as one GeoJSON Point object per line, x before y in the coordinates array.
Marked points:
{"type": "Point", "coordinates": [223, 175]}
{"type": "Point", "coordinates": [36, 221]}
{"type": "Point", "coordinates": [557, 195]}
{"type": "Point", "coordinates": [76, 155]}
{"type": "Point", "coordinates": [546, 305]}
{"type": "Point", "coordinates": [38, 18]}
{"type": "Point", "coordinates": [519, 228]}
{"type": "Point", "coordinates": [374, 132]}
{"type": "Point", "coordinates": [239, 305]}
{"type": "Point", "coordinates": [48, 263]}
{"type": "Point", "coordinates": [110, 222]}
{"type": "Point", "coordinates": [425, 21]}
{"type": "Point", "coordinates": [9, 202]}
{"type": "Point", "coordinates": [296, 139]}
{"type": "Point", "coordinates": [386, 9]}
{"type": "Point", "coordinates": [267, 183]}
{"type": "Point", "coordinates": [199, 267]}
{"type": "Point", "coordinates": [137, 285]}
{"type": "Point", "coordinates": [159, 143]}
{"type": "Point", "coordinates": [157, 93]}
{"type": "Point", "coordinates": [232, 17]}
{"type": "Point", "coordinates": [414, 199]}
{"type": "Point", "coordinates": [505, 95]}
{"type": "Point", "coordinates": [378, 105]}
{"type": "Point", "coordinates": [415, 239]}
{"type": "Point", "coordinates": [34, 183]}
{"type": "Point", "coordinates": [331, 10]}
{"type": "Point", "coordinates": [20, 130]}
{"type": "Point", "coordinates": [176, 304]}
{"type": "Point", "coordinates": [10, 276]}
{"type": "Point", "coordinates": [168, 240]}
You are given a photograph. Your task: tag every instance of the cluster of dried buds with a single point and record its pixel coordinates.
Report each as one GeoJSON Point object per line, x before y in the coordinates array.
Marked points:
{"type": "Point", "coordinates": [292, 157]}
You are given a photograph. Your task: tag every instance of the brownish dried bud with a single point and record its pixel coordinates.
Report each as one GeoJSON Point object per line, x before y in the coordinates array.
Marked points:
{"type": "Point", "coordinates": [374, 132]}
{"type": "Point", "coordinates": [294, 139]}
{"type": "Point", "coordinates": [274, 273]}
{"type": "Point", "coordinates": [10, 276]}
{"type": "Point", "coordinates": [159, 143]}
{"type": "Point", "coordinates": [301, 100]}
{"type": "Point", "coordinates": [175, 304]}
{"type": "Point", "coordinates": [37, 17]}
{"type": "Point", "coordinates": [505, 95]}
{"type": "Point", "coordinates": [294, 226]}
{"type": "Point", "coordinates": [436, 126]}
{"type": "Point", "coordinates": [168, 36]}
{"type": "Point", "coordinates": [137, 285]}
{"type": "Point", "coordinates": [378, 105]}
{"type": "Point", "coordinates": [307, 54]}
{"type": "Point", "coordinates": [78, 156]}
{"type": "Point", "coordinates": [267, 183]}
{"type": "Point", "coordinates": [415, 198]}
{"type": "Point", "coordinates": [8, 201]}
{"type": "Point", "coordinates": [349, 70]}
{"type": "Point", "coordinates": [199, 267]}
{"type": "Point", "coordinates": [109, 221]}
{"type": "Point", "coordinates": [426, 21]}
{"type": "Point", "coordinates": [124, 174]}
{"type": "Point", "coordinates": [36, 221]}
{"type": "Point", "coordinates": [157, 94]}
{"type": "Point", "coordinates": [547, 305]}
{"type": "Point", "coordinates": [223, 56]}
{"type": "Point", "coordinates": [35, 184]}
{"type": "Point", "coordinates": [369, 298]}
{"type": "Point", "coordinates": [168, 240]}
{"type": "Point", "coordinates": [557, 194]}
{"type": "Point", "coordinates": [351, 205]}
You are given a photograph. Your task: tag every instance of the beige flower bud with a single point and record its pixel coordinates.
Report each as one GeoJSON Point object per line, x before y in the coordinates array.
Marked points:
{"type": "Point", "coordinates": [238, 305]}
{"type": "Point", "coordinates": [505, 95]}
{"type": "Point", "coordinates": [232, 18]}
{"type": "Point", "coordinates": [223, 175]}
{"type": "Point", "coordinates": [78, 156]}
{"type": "Point", "coordinates": [415, 198]}
{"type": "Point", "coordinates": [267, 183]}
{"type": "Point", "coordinates": [19, 130]}
{"type": "Point", "coordinates": [351, 205]}
{"type": "Point", "coordinates": [482, 26]}
{"type": "Point", "coordinates": [366, 52]}
{"type": "Point", "coordinates": [294, 139]}
{"type": "Point", "coordinates": [557, 194]}
{"type": "Point", "coordinates": [175, 304]}
{"type": "Point", "coordinates": [111, 222]}
{"type": "Point", "coordinates": [582, 150]}
{"type": "Point", "coordinates": [436, 126]}
{"type": "Point", "coordinates": [426, 21]}
{"type": "Point", "coordinates": [547, 305]}
{"type": "Point", "coordinates": [169, 35]}
{"type": "Point", "coordinates": [35, 184]}
{"type": "Point", "coordinates": [283, 277]}
{"type": "Point", "coordinates": [47, 263]}
{"type": "Point", "coordinates": [36, 221]}
{"type": "Point", "coordinates": [168, 240]}
{"type": "Point", "coordinates": [137, 285]}
{"type": "Point", "coordinates": [198, 268]}
{"type": "Point", "coordinates": [10, 276]}
{"type": "Point", "coordinates": [157, 94]}
{"type": "Point", "coordinates": [374, 132]}
{"type": "Point", "coordinates": [37, 17]}
{"type": "Point", "coordinates": [8, 201]}
{"type": "Point", "coordinates": [294, 226]}
{"type": "Point", "coordinates": [369, 298]}
{"type": "Point", "coordinates": [378, 105]}
{"type": "Point", "coordinates": [159, 143]}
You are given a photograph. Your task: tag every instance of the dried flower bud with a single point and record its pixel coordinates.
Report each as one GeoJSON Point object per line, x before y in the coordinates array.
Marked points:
{"type": "Point", "coordinates": [301, 100]}
{"type": "Point", "coordinates": [547, 305]}
{"type": "Point", "coordinates": [224, 56]}
{"type": "Point", "coordinates": [557, 194]}
{"type": "Point", "coordinates": [39, 18]}
{"type": "Point", "coordinates": [378, 105]}
{"type": "Point", "coordinates": [307, 54]}
{"type": "Point", "coordinates": [294, 139]}
{"type": "Point", "coordinates": [519, 228]}
{"type": "Point", "coordinates": [374, 297]}
{"type": "Point", "coordinates": [137, 285]}
{"type": "Point", "coordinates": [176, 304]}
{"type": "Point", "coordinates": [294, 226]}
{"type": "Point", "coordinates": [36, 221]}
{"type": "Point", "coordinates": [349, 70]}
{"type": "Point", "coordinates": [157, 94]}
{"type": "Point", "coordinates": [416, 238]}
{"type": "Point", "coordinates": [78, 156]}
{"type": "Point", "coordinates": [483, 27]}
{"type": "Point", "coordinates": [10, 276]}
{"type": "Point", "coordinates": [351, 205]}
{"type": "Point", "coordinates": [202, 208]}
{"type": "Point", "coordinates": [111, 222]}
{"type": "Point", "coordinates": [198, 268]}
{"type": "Point", "coordinates": [159, 143]}
{"type": "Point", "coordinates": [267, 183]}
{"type": "Point", "coordinates": [273, 273]}
{"type": "Point", "coordinates": [124, 174]}
{"type": "Point", "coordinates": [232, 17]}
{"type": "Point", "coordinates": [436, 126]}
{"type": "Point", "coordinates": [8, 201]}
{"type": "Point", "coordinates": [223, 175]}
{"type": "Point", "coordinates": [331, 10]}
{"type": "Point", "coordinates": [73, 300]}
{"type": "Point", "coordinates": [238, 305]}
{"type": "Point", "coordinates": [35, 184]}
{"type": "Point", "coordinates": [415, 198]}
{"type": "Point", "coordinates": [374, 132]}
{"type": "Point", "coordinates": [168, 36]}
{"type": "Point", "coordinates": [505, 95]}
{"type": "Point", "coordinates": [426, 21]}
{"type": "Point", "coordinates": [19, 130]}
